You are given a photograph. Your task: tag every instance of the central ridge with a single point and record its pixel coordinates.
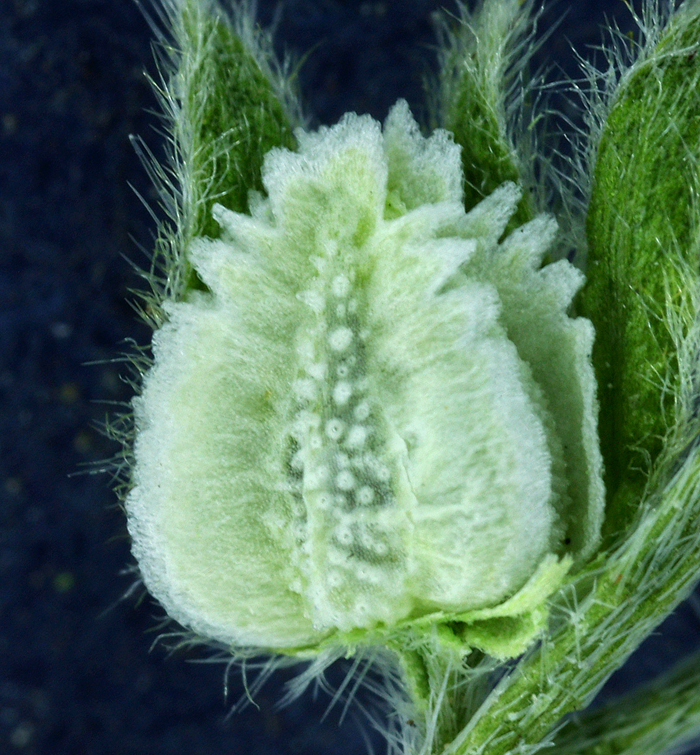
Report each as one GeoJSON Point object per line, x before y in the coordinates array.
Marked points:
{"type": "Point", "coordinates": [343, 474]}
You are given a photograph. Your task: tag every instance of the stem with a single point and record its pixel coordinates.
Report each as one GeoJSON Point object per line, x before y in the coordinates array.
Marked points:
{"type": "Point", "coordinates": [655, 718]}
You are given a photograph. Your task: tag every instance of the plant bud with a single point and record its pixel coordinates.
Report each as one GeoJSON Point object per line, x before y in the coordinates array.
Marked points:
{"type": "Point", "coordinates": [376, 415]}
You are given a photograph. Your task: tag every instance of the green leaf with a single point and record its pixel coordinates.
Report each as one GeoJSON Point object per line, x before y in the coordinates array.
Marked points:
{"type": "Point", "coordinates": [234, 113]}
{"type": "Point", "coordinates": [643, 241]}
{"type": "Point", "coordinates": [482, 90]}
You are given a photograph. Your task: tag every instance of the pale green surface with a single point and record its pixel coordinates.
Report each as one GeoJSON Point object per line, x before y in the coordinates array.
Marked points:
{"type": "Point", "coordinates": [239, 415]}
{"type": "Point", "coordinates": [347, 430]}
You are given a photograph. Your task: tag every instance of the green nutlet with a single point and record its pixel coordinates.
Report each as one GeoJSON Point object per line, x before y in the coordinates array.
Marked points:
{"type": "Point", "coordinates": [377, 413]}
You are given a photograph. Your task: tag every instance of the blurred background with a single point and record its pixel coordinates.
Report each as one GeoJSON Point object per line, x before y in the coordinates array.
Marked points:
{"type": "Point", "coordinates": [79, 673]}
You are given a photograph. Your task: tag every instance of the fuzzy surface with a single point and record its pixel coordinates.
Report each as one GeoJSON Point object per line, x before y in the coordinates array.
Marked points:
{"type": "Point", "coordinates": [361, 420]}
{"type": "Point", "coordinates": [76, 675]}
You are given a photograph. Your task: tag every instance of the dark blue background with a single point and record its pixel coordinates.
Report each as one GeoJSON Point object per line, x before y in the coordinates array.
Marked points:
{"type": "Point", "coordinates": [77, 672]}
